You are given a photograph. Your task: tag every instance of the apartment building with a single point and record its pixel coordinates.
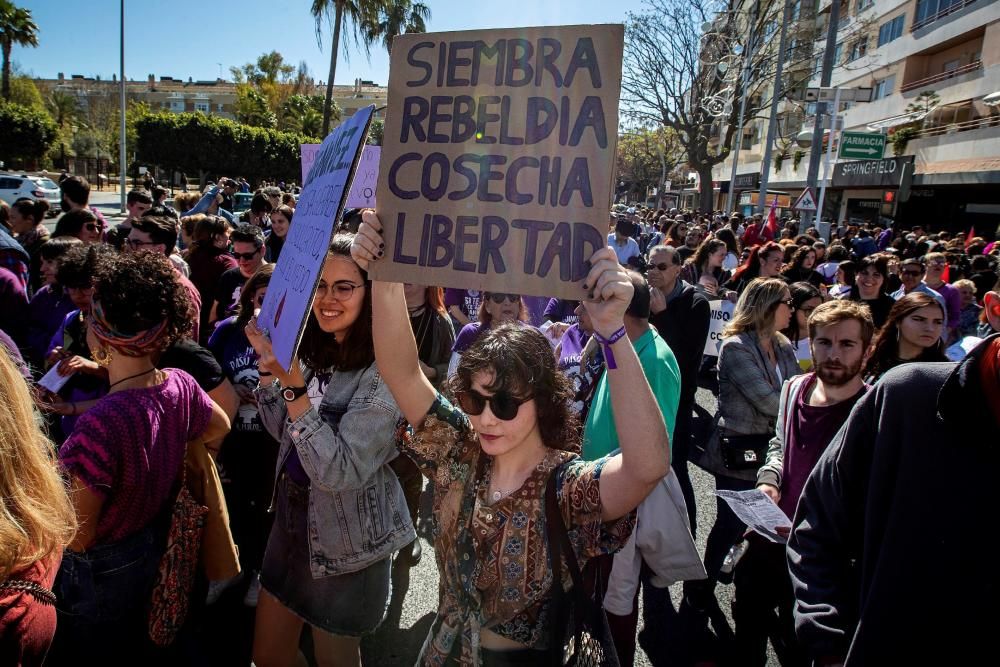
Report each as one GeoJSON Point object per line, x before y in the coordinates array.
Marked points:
{"type": "Point", "coordinates": [934, 67]}
{"type": "Point", "coordinates": [216, 98]}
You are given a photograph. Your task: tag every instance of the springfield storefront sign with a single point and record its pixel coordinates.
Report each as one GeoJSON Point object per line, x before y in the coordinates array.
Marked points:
{"type": "Point", "coordinates": [887, 173]}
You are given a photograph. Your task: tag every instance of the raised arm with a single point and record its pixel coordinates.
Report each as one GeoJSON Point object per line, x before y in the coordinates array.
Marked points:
{"type": "Point", "coordinates": [395, 351]}
{"type": "Point", "coordinates": [645, 448]}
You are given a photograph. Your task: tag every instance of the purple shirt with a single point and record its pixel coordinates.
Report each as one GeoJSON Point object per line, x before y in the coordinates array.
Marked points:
{"type": "Point", "coordinates": [562, 310]}
{"type": "Point", "coordinates": [952, 302]}
{"type": "Point", "coordinates": [812, 429]}
{"type": "Point", "coordinates": [469, 334]}
{"type": "Point", "coordinates": [535, 305]}
{"type": "Point", "coordinates": [467, 300]}
{"type": "Point", "coordinates": [46, 313]}
{"type": "Point", "coordinates": [128, 449]}
{"type": "Point", "coordinates": [13, 304]}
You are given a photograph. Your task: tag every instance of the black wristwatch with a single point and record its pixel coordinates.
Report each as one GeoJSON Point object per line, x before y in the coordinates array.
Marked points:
{"type": "Point", "coordinates": [291, 393]}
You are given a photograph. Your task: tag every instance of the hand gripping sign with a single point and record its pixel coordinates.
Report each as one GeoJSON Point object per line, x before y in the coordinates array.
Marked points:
{"type": "Point", "coordinates": [498, 157]}
{"type": "Point", "coordinates": [286, 306]}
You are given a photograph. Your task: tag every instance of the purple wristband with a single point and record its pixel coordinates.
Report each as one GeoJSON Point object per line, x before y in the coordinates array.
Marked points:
{"type": "Point", "coordinates": [606, 343]}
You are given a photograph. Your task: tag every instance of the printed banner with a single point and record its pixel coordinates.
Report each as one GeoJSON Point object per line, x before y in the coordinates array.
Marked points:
{"type": "Point", "coordinates": [362, 193]}
{"type": "Point", "coordinates": [285, 310]}
{"type": "Point", "coordinates": [498, 157]}
{"type": "Point", "coordinates": [722, 312]}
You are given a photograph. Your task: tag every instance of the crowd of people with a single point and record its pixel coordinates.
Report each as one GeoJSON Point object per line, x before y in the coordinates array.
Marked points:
{"type": "Point", "coordinates": [159, 468]}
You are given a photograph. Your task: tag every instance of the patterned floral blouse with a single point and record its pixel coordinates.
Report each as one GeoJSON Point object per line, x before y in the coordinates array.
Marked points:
{"type": "Point", "coordinates": [493, 558]}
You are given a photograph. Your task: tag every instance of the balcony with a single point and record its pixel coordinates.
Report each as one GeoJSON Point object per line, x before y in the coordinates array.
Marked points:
{"type": "Point", "coordinates": [942, 76]}
{"type": "Point", "coordinates": [951, 9]}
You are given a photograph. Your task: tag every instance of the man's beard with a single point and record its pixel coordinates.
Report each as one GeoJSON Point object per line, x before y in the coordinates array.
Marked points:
{"type": "Point", "coordinates": [839, 375]}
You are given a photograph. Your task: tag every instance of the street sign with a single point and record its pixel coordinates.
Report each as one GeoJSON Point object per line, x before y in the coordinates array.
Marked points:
{"type": "Point", "coordinates": [806, 201]}
{"type": "Point", "coordinates": [846, 94]}
{"type": "Point", "coordinates": [862, 145]}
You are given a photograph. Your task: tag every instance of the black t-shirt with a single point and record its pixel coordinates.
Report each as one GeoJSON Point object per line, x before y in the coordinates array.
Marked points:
{"type": "Point", "coordinates": [194, 360]}
{"type": "Point", "coordinates": [227, 293]}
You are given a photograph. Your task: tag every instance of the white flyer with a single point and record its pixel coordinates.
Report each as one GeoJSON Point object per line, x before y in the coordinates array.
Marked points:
{"type": "Point", "coordinates": [53, 381]}
{"type": "Point", "coordinates": [758, 512]}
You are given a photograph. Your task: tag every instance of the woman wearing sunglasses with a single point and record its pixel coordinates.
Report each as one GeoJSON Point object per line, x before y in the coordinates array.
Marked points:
{"type": "Point", "coordinates": [491, 457]}
{"type": "Point", "coordinates": [755, 359]}
{"type": "Point", "coordinates": [339, 511]}
{"type": "Point", "coordinates": [496, 309]}
{"type": "Point", "coordinates": [81, 224]}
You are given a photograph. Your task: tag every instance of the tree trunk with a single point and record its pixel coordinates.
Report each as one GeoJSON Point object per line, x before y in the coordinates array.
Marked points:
{"type": "Point", "coordinates": [5, 83]}
{"type": "Point", "coordinates": [334, 47]}
{"type": "Point", "coordinates": [706, 194]}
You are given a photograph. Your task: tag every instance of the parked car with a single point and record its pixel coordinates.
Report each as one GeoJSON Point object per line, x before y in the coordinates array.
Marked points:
{"type": "Point", "coordinates": [21, 186]}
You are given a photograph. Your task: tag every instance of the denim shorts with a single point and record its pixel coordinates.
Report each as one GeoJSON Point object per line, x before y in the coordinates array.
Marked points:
{"type": "Point", "coordinates": [347, 605]}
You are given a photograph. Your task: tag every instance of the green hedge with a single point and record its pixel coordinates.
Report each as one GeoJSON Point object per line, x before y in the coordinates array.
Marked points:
{"type": "Point", "coordinates": [194, 142]}
{"type": "Point", "coordinates": [26, 133]}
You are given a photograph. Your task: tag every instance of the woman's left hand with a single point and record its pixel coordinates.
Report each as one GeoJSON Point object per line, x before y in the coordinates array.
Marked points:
{"type": "Point", "coordinates": [610, 291]}
{"type": "Point", "coordinates": [267, 362]}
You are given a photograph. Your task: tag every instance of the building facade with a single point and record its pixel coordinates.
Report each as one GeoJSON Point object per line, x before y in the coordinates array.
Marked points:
{"type": "Point", "coordinates": [934, 70]}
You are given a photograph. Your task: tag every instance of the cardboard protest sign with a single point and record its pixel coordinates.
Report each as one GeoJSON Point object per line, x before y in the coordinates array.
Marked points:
{"type": "Point", "coordinates": [362, 193]}
{"type": "Point", "coordinates": [722, 313]}
{"type": "Point", "coordinates": [498, 157]}
{"type": "Point", "coordinates": [309, 152]}
{"type": "Point", "coordinates": [285, 310]}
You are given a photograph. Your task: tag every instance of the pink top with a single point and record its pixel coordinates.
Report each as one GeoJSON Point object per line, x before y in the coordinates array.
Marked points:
{"type": "Point", "coordinates": [128, 449]}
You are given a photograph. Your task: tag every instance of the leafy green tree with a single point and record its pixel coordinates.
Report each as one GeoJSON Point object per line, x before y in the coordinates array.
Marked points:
{"type": "Point", "coordinates": [354, 15]}
{"type": "Point", "coordinates": [376, 132]}
{"type": "Point", "coordinates": [304, 113]}
{"type": "Point", "coordinates": [252, 107]}
{"type": "Point", "coordinates": [64, 108]}
{"type": "Point", "coordinates": [16, 27]}
{"type": "Point", "coordinates": [207, 144]}
{"type": "Point", "coordinates": [27, 133]}
{"type": "Point", "coordinates": [23, 91]}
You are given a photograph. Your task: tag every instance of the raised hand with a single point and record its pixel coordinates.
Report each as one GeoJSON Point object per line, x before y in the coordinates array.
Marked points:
{"type": "Point", "coordinates": [610, 292]}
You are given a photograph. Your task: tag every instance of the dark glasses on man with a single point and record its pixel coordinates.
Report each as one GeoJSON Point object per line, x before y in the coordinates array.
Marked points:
{"type": "Point", "coordinates": [246, 256]}
{"type": "Point", "coordinates": [502, 404]}
{"type": "Point", "coordinates": [662, 266]}
{"type": "Point", "coordinates": [500, 298]}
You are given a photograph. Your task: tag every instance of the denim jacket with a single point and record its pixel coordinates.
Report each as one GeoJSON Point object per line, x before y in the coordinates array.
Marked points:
{"type": "Point", "coordinates": [357, 514]}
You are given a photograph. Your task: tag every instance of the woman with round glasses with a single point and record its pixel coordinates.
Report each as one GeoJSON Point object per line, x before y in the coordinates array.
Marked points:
{"type": "Point", "coordinates": [339, 511]}
{"type": "Point", "coordinates": [491, 459]}
{"type": "Point", "coordinates": [495, 309]}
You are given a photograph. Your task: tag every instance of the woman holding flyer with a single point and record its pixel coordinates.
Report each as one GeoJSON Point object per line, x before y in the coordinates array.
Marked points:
{"type": "Point", "coordinates": [491, 456]}
{"type": "Point", "coordinates": [339, 511]}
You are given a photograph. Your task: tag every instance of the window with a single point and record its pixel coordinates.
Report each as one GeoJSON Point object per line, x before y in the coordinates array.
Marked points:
{"type": "Point", "coordinates": [951, 65]}
{"type": "Point", "coordinates": [837, 53]}
{"type": "Point", "coordinates": [218, 107]}
{"type": "Point", "coordinates": [928, 9]}
{"type": "Point", "coordinates": [203, 107]}
{"type": "Point", "coordinates": [863, 5]}
{"type": "Point", "coordinates": [891, 30]}
{"type": "Point", "coordinates": [177, 106]}
{"type": "Point", "coordinates": [884, 87]}
{"type": "Point", "coordinates": [858, 49]}
{"type": "Point", "coordinates": [795, 11]}
{"type": "Point", "coordinates": [793, 44]}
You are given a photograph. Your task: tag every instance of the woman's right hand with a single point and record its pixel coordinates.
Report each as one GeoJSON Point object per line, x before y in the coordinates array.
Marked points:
{"type": "Point", "coordinates": [267, 362]}
{"type": "Point", "coordinates": [771, 492]}
{"type": "Point", "coordinates": [368, 245]}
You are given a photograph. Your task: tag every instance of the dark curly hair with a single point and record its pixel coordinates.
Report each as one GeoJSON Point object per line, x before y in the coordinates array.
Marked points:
{"type": "Point", "coordinates": [139, 290]}
{"type": "Point", "coordinates": [79, 264]}
{"type": "Point", "coordinates": [522, 364]}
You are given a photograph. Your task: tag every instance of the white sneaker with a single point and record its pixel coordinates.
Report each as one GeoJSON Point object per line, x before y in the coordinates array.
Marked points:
{"type": "Point", "coordinates": [253, 592]}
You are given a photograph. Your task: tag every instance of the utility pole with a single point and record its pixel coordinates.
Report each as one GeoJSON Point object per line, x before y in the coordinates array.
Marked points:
{"type": "Point", "coordinates": [772, 123]}
{"type": "Point", "coordinates": [121, 125]}
{"type": "Point", "coordinates": [816, 149]}
{"type": "Point", "coordinates": [747, 65]}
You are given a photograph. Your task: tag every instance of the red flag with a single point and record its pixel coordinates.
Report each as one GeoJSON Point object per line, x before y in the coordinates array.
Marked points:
{"type": "Point", "coordinates": [972, 235]}
{"type": "Point", "coordinates": [772, 219]}
{"type": "Point", "coordinates": [946, 274]}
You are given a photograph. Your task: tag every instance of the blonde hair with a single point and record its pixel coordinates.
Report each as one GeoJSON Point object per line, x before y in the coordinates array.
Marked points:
{"type": "Point", "coordinates": [36, 515]}
{"type": "Point", "coordinates": [964, 282]}
{"type": "Point", "coordinates": [755, 308]}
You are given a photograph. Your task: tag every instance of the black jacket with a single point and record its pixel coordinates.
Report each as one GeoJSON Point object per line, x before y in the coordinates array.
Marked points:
{"type": "Point", "coordinates": [684, 327]}
{"type": "Point", "coordinates": [890, 554]}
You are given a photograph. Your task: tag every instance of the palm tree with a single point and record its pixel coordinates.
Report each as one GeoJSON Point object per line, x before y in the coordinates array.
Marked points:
{"type": "Point", "coordinates": [355, 14]}
{"type": "Point", "coordinates": [397, 18]}
{"type": "Point", "coordinates": [16, 27]}
{"type": "Point", "coordinates": [65, 111]}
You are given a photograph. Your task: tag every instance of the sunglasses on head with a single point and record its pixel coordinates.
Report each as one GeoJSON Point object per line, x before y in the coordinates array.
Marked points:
{"type": "Point", "coordinates": [247, 256]}
{"type": "Point", "coordinates": [500, 298]}
{"type": "Point", "coordinates": [503, 405]}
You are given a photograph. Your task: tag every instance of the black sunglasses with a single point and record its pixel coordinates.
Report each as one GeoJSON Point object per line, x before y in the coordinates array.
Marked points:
{"type": "Point", "coordinates": [247, 256]}
{"type": "Point", "coordinates": [503, 405]}
{"type": "Point", "coordinates": [662, 266]}
{"type": "Point", "coordinates": [500, 298]}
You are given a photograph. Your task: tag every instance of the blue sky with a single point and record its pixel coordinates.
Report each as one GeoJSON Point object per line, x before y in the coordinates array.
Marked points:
{"type": "Point", "coordinates": [191, 38]}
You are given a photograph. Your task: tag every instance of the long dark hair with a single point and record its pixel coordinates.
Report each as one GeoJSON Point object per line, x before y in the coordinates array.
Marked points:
{"type": "Point", "coordinates": [260, 278]}
{"type": "Point", "coordinates": [750, 269]}
{"type": "Point", "coordinates": [522, 364]}
{"type": "Point", "coordinates": [727, 236]}
{"type": "Point", "coordinates": [701, 255]}
{"type": "Point", "coordinates": [885, 348]}
{"type": "Point", "coordinates": [320, 350]}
